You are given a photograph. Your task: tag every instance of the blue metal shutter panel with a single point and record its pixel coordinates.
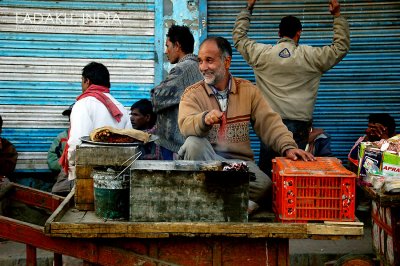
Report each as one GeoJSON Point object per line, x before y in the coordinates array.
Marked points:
{"type": "Point", "coordinates": [366, 81]}
{"type": "Point", "coordinates": [43, 47]}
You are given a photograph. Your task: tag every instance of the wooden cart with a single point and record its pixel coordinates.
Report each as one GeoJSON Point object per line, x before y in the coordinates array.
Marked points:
{"type": "Point", "coordinates": [73, 228]}
{"type": "Point", "coordinates": [81, 234]}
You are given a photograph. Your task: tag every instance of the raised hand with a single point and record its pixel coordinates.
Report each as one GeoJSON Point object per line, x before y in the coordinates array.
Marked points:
{"type": "Point", "coordinates": [376, 131]}
{"type": "Point", "coordinates": [250, 3]}
{"type": "Point", "coordinates": [334, 7]}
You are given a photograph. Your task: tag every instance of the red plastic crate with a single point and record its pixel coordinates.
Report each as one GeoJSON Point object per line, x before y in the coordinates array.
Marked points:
{"type": "Point", "coordinates": [322, 190]}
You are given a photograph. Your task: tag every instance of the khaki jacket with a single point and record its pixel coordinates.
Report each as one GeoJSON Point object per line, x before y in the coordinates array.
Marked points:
{"type": "Point", "coordinates": [288, 74]}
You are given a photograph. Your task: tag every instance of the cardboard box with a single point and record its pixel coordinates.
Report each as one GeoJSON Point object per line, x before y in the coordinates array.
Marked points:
{"type": "Point", "coordinates": [391, 165]}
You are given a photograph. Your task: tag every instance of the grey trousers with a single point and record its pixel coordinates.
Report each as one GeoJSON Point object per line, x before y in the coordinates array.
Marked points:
{"type": "Point", "coordinates": [62, 186]}
{"type": "Point", "coordinates": [200, 149]}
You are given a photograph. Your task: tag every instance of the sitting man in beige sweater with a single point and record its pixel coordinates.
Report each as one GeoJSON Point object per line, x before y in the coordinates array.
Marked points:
{"type": "Point", "coordinates": [215, 116]}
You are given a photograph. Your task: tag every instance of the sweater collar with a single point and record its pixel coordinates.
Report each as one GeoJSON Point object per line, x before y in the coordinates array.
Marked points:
{"type": "Point", "coordinates": [188, 57]}
{"type": "Point", "coordinates": [231, 86]}
{"type": "Point", "coordinates": [286, 39]}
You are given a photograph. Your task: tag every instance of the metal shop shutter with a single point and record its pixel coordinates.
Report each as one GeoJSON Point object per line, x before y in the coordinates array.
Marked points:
{"type": "Point", "coordinates": [45, 45]}
{"type": "Point", "coordinates": [366, 81]}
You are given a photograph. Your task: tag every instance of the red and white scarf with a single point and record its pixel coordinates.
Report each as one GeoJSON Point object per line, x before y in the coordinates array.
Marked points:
{"type": "Point", "coordinates": [97, 92]}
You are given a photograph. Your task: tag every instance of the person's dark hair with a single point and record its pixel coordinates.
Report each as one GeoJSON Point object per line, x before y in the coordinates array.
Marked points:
{"type": "Point", "coordinates": [223, 45]}
{"type": "Point", "coordinates": [1, 122]}
{"type": "Point", "coordinates": [182, 35]}
{"type": "Point", "coordinates": [145, 108]}
{"type": "Point", "coordinates": [97, 73]}
{"type": "Point", "coordinates": [289, 26]}
{"type": "Point", "coordinates": [384, 119]}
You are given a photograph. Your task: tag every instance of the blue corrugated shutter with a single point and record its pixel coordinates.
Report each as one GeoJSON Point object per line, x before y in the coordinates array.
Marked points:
{"type": "Point", "coordinates": [43, 47]}
{"type": "Point", "coordinates": [366, 81]}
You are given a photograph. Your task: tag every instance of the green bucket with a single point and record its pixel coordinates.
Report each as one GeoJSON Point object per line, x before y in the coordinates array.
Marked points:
{"type": "Point", "coordinates": [111, 193]}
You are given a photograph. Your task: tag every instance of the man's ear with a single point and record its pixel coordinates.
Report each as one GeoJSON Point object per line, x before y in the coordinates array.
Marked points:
{"type": "Point", "coordinates": [227, 62]}
{"type": "Point", "coordinates": [178, 45]}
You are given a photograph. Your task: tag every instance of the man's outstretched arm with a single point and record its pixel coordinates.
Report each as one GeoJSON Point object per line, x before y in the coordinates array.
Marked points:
{"type": "Point", "coordinates": [248, 48]}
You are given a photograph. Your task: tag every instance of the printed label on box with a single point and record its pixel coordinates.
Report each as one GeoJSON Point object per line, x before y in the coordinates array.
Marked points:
{"type": "Point", "coordinates": [370, 162]}
{"type": "Point", "coordinates": [391, 164]}
{"type": "Point", "coordinates": [390, 170]}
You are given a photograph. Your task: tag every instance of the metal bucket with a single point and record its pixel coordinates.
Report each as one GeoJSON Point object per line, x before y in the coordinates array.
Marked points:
{"type": "Point", "coordinates": [111, 193]}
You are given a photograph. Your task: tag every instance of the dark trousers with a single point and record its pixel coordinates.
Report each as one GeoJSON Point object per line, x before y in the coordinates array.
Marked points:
{"type": "Point", "coordinates": [300, 130]}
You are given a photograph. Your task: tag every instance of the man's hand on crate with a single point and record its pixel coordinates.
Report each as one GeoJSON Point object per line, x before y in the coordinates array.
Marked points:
{"type": "Point", "coordinates": [296, 154]}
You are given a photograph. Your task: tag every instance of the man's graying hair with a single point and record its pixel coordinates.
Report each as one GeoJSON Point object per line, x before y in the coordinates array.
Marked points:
{"type": "Point", "coordinates": [223, 45]}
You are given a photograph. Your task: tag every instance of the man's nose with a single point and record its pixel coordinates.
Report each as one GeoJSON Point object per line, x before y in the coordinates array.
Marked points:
{"type": "Point", "coordinates": [203, 66]}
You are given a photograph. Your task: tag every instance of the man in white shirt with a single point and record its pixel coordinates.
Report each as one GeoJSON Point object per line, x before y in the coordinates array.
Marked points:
{"type": "Point", "coordinates": [94, 108]}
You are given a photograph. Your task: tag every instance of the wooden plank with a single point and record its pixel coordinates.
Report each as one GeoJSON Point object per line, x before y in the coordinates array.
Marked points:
{"type": "Point", "coordinates": [90, 251]}
{"type": "Point", "coordinates": [83, 171]}
{"type": "Point", "coordinates": [217, 253]}
{"type": "Point", "coordinates": [84, 191]}
{"type": "Point", "coordinates": [91, 217]}
{"type": "Point", "coordinates": [92, 226]}
{"type": "Point", "coordinates": [84, 206]}
{"type": "Point", "coordinates": [385, 200]}
{"type": "Point", "coordinates": [278, 251]}
{"type": "Point", "coordinates": [34, 197]}
{"type": "Point", "coordinates": [96, 155]}
{"type": "Point", "coordinates": [60, 211]}
{"type": "Point", "coordinates": [57, 259]}
{"type": "Point", "coordinates": [31, 255]}
{"type": "Point", "coordinates": [341, 230]}
{"type": "Point", "coordinates": [343, 223]}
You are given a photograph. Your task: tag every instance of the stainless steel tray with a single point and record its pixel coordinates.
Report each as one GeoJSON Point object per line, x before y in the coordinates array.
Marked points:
{"type": "Point", "coordinates": [86, 139]}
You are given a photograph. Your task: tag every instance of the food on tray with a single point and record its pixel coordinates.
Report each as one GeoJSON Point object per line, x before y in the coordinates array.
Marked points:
{"type": "Point", "coordinates": [114, 135]}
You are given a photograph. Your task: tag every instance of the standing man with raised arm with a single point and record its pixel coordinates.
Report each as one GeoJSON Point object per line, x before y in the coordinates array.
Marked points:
{"type": "Point", "coordinates": [288, 74]}
{"type": "Point", "coordinates": [167, 95]}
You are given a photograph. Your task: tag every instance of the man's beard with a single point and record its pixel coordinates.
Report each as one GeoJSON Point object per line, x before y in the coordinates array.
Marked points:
{"type": "Point", "coordinates": [209, 77]}
{"type": "Point", "coordinates": [213, 77]}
